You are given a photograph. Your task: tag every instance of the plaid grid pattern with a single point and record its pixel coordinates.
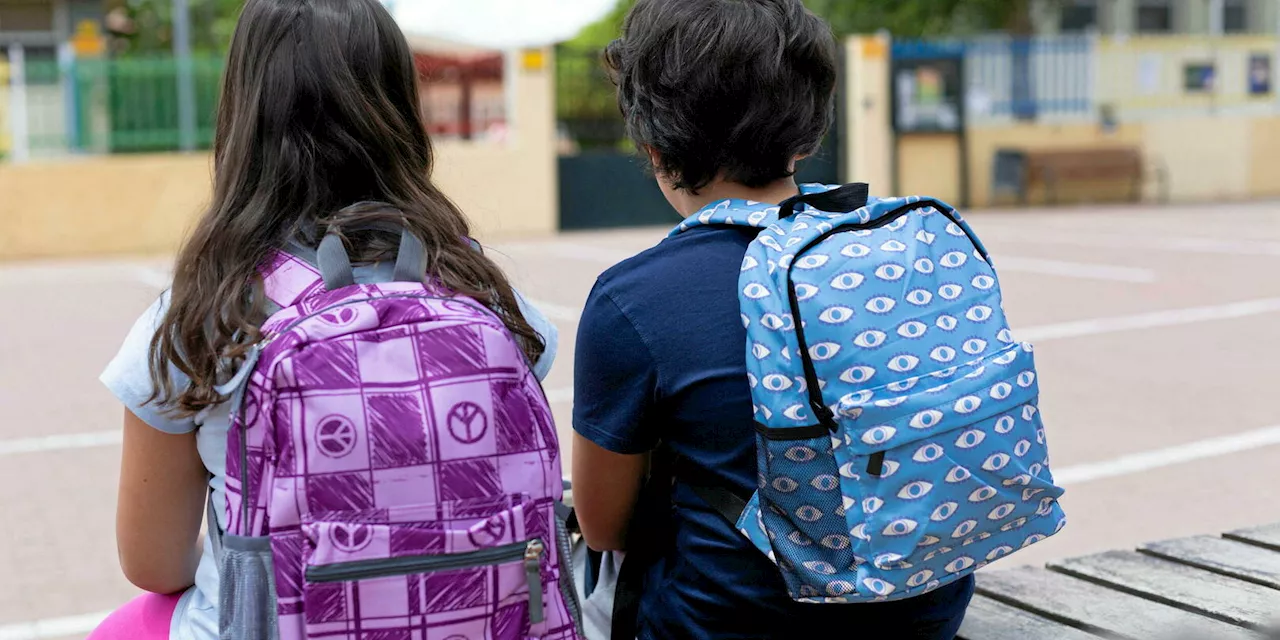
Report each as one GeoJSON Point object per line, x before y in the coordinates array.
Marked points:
{"type": "Point", "coordinates": [395, 421]}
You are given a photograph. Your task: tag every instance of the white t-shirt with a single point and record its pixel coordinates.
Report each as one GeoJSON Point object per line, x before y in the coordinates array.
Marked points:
{"type": "Point", "coordinates": [128, 376]}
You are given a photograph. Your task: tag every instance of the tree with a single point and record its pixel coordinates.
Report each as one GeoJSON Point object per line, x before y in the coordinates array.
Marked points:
{"type": "Point", "coordinates": [146, 26]}
{"type": "Point", "coordinates": [918, 18]}
{"type": "Point", "coordinates": [903, 18]}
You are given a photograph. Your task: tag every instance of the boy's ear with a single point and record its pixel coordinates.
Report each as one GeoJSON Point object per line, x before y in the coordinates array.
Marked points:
{"type": "Point", "coordinates": [655, 158]}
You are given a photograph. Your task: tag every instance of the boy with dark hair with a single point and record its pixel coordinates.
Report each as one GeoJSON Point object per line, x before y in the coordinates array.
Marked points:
{"type": "Point", "coordinates": [724, 96]}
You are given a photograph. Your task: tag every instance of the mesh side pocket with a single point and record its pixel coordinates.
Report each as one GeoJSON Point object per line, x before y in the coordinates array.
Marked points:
{"type": "Point", "coordinates": [247, 596]}
{"type": "Point", "coordinates": [803, 513]}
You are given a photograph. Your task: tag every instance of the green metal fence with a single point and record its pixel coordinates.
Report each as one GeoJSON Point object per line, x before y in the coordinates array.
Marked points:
{"type": "Point", "coordinates": [131, 105]}
{"type": "Point", "coordinates": [115, 106]}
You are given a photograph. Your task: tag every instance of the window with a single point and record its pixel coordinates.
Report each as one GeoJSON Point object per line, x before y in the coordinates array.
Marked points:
{"type": "Point", "coordinates": [1155, 16]}
{"type": "Point", "coordinates": [1235, 16]}
{"type": "Point", "coordinates": [26, 15]}
{"type": "Point", "coordinates": [1079, 15]}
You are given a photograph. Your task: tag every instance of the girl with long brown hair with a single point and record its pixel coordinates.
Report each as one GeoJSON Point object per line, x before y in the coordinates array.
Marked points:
{"type": "Point", "coordinates": [319, 112]}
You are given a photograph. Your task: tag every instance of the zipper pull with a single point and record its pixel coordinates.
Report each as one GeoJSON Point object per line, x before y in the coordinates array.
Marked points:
{"type": "Point", "coordinates": [533, 576]}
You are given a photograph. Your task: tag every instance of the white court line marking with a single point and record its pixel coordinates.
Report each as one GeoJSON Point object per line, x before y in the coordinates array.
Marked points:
{"type": "Point", "coordinates": [53, 627]}
{"type": "Point", "coordinates": [1139, 241]}
{"type": "Point", "coordinates": [556, 311]}
{"type": "Point", "coordinates": [1075, 269]}
{"type": "Point", "coordinates": [1149, 460]}
{"type": "Point", "coordinates": [158, 278]}
{"type": "Point", "coordinates": [584, 253]}
{"type": "Point", "coordinates": [82, 272]}
{"type": "Point", "coordinates": [60, 442]}
{"type": "Point", "coordinates": [1168, 318]}
{"type": "Point", "coordinates": [556, 396]}
{"type": "Point", "coordinates": [572, 251]}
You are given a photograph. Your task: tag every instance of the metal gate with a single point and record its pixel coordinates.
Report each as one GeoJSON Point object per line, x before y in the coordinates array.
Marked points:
{"type": "Point", "coordinates": [603, 181]}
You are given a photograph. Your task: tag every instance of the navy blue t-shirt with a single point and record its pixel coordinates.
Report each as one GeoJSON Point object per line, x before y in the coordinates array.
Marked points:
{"type": "Point", "coordinates": [661, 356]}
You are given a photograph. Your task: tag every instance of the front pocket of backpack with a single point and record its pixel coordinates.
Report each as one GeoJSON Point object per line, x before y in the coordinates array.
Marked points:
{"type": "Point", "coordinates": [944, 507]}
{"type": "Point", "coordinates": [459, 569]}
{"type": "Point", "coordinates": [953, 476]}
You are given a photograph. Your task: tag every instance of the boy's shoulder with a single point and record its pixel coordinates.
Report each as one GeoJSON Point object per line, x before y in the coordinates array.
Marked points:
{"type": "Point", "coordinates": [686, 255]}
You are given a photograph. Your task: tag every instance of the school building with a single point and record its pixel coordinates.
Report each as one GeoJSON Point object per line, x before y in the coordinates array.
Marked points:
{"type": "Point", "coordinates": [987, 121]}
{"type": "Point", "coordinates": [43, 25]}
{"type": "Point", "coordinates": [1157, 17]}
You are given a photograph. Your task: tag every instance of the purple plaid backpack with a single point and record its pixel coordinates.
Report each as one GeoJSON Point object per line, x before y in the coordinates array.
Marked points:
{"type": "Point", "coordinates": [393, 471]}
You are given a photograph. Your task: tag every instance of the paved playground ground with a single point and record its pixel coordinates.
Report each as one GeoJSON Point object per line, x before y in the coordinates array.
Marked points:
{"type": "Point", "coordinates": [1157, 334]}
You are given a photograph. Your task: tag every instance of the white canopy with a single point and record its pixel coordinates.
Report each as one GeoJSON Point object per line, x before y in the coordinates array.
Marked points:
{"type": "Point", "coordinates": [496, 24]}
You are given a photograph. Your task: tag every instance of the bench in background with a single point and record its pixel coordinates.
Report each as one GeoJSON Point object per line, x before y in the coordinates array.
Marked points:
{"type": "Point", "coordinates": [1019, 171]}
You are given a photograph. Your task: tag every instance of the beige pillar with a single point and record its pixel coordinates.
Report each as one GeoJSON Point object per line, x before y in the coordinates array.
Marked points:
{"type": "Point", "coordinates": [868, 139]}
{"type": "Point", "coordinates": [511, 188]}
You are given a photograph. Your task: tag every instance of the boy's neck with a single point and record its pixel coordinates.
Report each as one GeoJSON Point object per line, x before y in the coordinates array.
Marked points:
{"type": "Point", "coordinates": [688, 203]}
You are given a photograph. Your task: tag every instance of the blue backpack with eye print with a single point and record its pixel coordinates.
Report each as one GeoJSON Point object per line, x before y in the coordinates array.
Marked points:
{"type": "Point", "coordinates": [899, 442]}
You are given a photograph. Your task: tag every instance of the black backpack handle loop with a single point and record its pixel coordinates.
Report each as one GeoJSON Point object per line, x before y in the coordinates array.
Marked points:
{"type": "Point", "coordinates": [850, 197]}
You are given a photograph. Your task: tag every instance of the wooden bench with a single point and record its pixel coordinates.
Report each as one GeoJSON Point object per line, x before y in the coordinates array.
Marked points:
{"type": "Point", "coordinates": [1206, 587]}
{"type": "Point", "coordinates": [1201, 588]}
{"type": "Point", "coordinates": [1021, 170]}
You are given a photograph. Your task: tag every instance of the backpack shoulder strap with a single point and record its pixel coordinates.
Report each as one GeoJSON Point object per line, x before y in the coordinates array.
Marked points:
{"type": "Point", "coordinates": [761, 215]}
{"type": "Point", "coordinates": [732, 213]}
{"type": "Point", "coordinates": [288, 278]}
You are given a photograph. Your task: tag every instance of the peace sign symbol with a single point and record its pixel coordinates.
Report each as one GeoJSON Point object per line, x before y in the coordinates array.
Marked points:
{"type": "Point", "coordinates": [350, 538]}
{"type": "Point", "coordinates": [336, 436]}
{"type": "Point", "coordinates": [340, 317]}
{"type": "Point", "coordinates": [488, 533]}
{"type": "Point", "coordinates": [467, 422]}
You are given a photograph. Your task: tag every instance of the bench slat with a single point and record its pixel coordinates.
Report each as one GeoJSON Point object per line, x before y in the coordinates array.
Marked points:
{"type": "Point", "coordinates": [1268, 536]}
{"type": "Point", "coordinates": [1182, 586]}
{"type": "Point", "coordinates": [1228, 557]}
{"type": "Point", "coordinates": [989, 619]}
{"type": "Point", "coordinates": [1098, 609]}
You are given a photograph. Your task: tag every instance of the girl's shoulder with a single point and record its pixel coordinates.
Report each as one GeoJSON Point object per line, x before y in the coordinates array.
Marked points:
{"type": "Point", "coordinates": [128, 375]}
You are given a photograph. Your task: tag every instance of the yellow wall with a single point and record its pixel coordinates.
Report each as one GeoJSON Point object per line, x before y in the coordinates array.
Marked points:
{"type": "Point", "coordinates": [1125, 61]}
{"type": "Point", "coordinates": [1264, 176]}
{"type": "Point", "coordinates": [984, 142]}
{"type": "Point", "coordinates": [117, 204]}
{"type": "Point", "coordinates": [929, 165]}
{"type": "Point", "coordinates": [1207, 158]}
{"type": "Point", "coordinates": [145, 204]}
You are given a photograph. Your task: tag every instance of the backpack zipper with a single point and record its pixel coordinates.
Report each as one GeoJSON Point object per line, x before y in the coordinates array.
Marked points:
{"type": "Point", "coordinates": [529, 554]}
{"type": "Point", "coordinates": [824, 414]}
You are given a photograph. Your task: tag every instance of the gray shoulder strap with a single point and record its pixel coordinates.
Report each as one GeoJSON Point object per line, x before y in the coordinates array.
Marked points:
{"type": "Point", "coordinates": [214, 530]}
{"type": "Point", "coordinates": [335, 264]}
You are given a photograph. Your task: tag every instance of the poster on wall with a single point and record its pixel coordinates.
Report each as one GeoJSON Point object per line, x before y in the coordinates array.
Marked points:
{"type": "Point", "coordinates": [1149, 70]}
{"type": "Point", "coordinates": [1260, 74]}
{"type": "Point", "coordinates": [928, 96]}
{"type": "Point", "coordinates": [1198, 77]}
